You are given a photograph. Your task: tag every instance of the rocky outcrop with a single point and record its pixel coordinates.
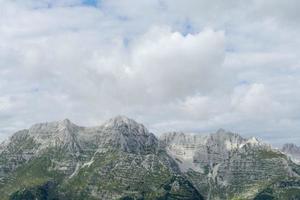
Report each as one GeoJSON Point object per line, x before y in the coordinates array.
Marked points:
{"type": "Point", "coordinates": [293, 151]}
{"type": "Point", "coordinates": [119, 159]}
{"type": "Point", "coordinates": [225, 164]}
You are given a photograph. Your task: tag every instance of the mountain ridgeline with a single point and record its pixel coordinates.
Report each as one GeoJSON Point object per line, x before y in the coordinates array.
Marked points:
{"type": "Point", "coordinates": [121, 159]}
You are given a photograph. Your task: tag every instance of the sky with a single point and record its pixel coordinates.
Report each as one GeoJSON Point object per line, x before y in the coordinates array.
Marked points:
{"type": "Point", "coordinates": [192, 66]}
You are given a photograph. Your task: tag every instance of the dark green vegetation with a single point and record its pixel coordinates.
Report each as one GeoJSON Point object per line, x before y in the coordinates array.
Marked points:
{"type": "Point", "coordinates": [111, 175]}
{"type": "Point", "coordinates": [46, 191]}
{"type": "Point", "coordinates": [287, 189]}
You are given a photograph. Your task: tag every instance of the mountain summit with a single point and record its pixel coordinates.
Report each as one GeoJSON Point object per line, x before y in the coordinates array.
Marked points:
{"type": "Point", "coordinates": [121, 159]}
{"type": "Point", "coordinates": [120, 122]}
{"type": "Point", "coordinates": [129, 135]}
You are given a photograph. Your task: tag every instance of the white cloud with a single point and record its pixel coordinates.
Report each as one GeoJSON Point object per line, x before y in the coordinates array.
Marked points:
{"type": "Point", "coordinates": [171, 66]}
{"type": "Point", "coordinates": [254, 100]}
{"type": "Point", "coordinates": [5, 103]}
{"type": "Point", "coordinates": [192, 65]}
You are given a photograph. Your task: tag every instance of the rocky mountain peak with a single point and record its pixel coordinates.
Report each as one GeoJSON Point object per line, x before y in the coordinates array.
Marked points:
{"type": "Point", "coordinates": [253, 141]}
{"type": "Point", "coordinates": [119, 120]}
{"type": "Point", "coordinates": [223, 134]}
{"type": "Point", "coordinates": [221, 131]}
{"type": "Point", "coordinates": [128, 135]}
{"type": "Point", "coordinates": [66, 122]}
{"type": "Point", "coordinates": [293, 151]}
{"type": "Point", "coordinates": [291, 148]}
{"type": "Point", "coordinates": [42, 128]}
{"type": "Point", "coordinates": [125, 125]}
{"type": "Point", "coordinates": [226, 140]}
{"type": "Point", "coordinates": [59, 133]}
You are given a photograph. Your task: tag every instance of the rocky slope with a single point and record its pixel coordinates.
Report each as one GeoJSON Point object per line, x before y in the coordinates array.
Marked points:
{"type": "Point", "coordinates": [293, 151]}
{"type": "Point", "coordinates": [224, 165]}
{"type": "Point", "coordinates": [118, 160]}
{"type": "Point", "coordinates": [121, 159]}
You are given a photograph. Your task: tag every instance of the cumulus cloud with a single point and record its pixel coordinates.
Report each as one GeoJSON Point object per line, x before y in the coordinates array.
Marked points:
{"type": "Point", "coordinates": [173, 65]}
{"type": "Point", "coordinates": [253, 100]}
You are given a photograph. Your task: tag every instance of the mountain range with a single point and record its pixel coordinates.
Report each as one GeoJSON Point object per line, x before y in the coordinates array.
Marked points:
{"type": "Point", "coordinates": [121, 159]}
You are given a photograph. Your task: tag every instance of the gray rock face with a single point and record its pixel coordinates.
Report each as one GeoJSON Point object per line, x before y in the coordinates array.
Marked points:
{"type": "Point", "coordinates": [218, 147]}
{"type": "Point", "coordinates": [117, 159]}
{"type": "Point", "coordinates": [62, 133]}
{"type": "Point", "coordinates": [206, 149]}
{"type": "Point", "coordinates": [225, 164]}
{"type": "Point", "coordinates": [118, 133]}
{"type": "Point", "coordinates": [128, 135]}
{"type": "Point", "coordinates": [293, 151]}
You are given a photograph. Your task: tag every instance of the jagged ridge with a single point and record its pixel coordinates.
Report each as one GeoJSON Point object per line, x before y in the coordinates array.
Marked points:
{"type": "Point", "coordinates": [122, 159]}
{"type": "Point", "coordinates": [119, 159]}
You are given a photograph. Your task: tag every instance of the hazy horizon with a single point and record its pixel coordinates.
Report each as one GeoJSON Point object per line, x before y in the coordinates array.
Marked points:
{"type": "Point", "coordinates": [158, 134]}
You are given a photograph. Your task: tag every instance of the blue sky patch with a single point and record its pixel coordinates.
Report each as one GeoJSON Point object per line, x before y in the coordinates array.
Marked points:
{"type": "Point", "coordinates": [90, 2]}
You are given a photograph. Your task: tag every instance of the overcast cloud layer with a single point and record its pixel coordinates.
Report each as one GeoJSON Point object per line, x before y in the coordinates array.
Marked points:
{"type": "Point", "coordinates": [194, 66]}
